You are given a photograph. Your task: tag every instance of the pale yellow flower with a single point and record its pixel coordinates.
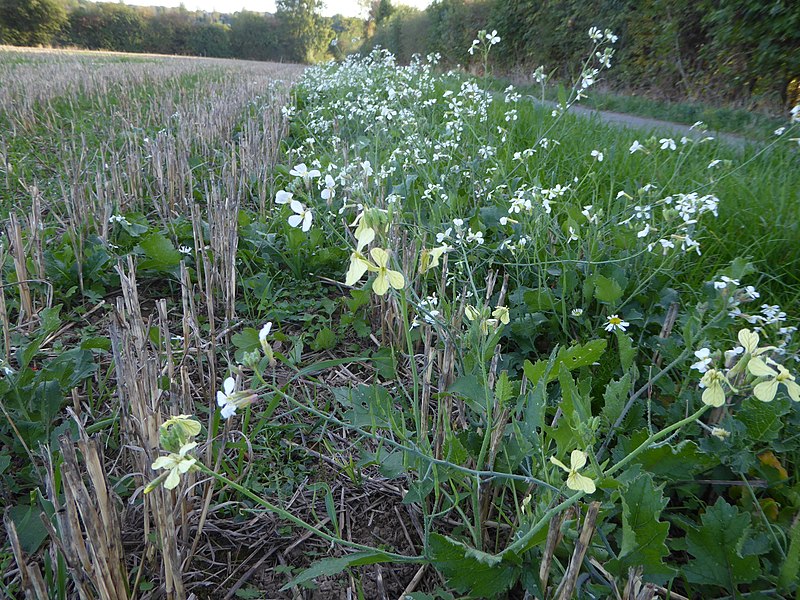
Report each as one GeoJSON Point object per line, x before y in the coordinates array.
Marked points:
{"type": "Point", "coordinates": [576, 481]}
{"type": "Point", "coordinates": [429, 259]}
{"type": "Point", "coordinates": [714, 394]}
{"type": "Point", "coordinates": [177, 464]}
{"type": "Point", "coordinates": [358, 266]}
{"type": "Point", "coordinates": [501, 314]}
{"type": "Point", "coordinates": [766, 390]}
{"type": "Point", "coordinates": [386, 276]}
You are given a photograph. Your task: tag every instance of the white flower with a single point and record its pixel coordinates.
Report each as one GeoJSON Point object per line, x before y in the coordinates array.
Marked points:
{"type": "Point", "coordinates": [598, 155]}
{"type": "Point", "coordinates": [184, 250]}
{"type": "Point", "coordinates": [302, 217]}
{"type": "Point", "coordinates": [724, 282]}
{"type": "Point", "coordinates": [576, 312]}
{"type": "Point", "coordinates": [262, 335]}
{"type": "Point", "coordinates": [635, 147]}
{"type": "Point", "coordinates": [713, 163]}
{"type": "Point", "coordinates": [302, 171]}
{"type": "Point", "coordinates": [118, 219]}
{"type": "Point", "coordinates": [283, 197]}
{"type": "Point", "coordinates": [667, 143]}
{"type": "Point", "coordinates": [229, 400]}
{"type": "Point", "coordinates": [595, 34]}
{"type": "Point", "coordinates": [225, 398]}
{"type": "Point", "coordinates": [493, 37]}
{"type": "Point", "coordinates": [615, 323]}
{"type": "Point", "coordinates": [780, 130]}
{"type": "Point", "coordinates": [330, 188]}
{"type": "Point", "coordinates": [704, 356]}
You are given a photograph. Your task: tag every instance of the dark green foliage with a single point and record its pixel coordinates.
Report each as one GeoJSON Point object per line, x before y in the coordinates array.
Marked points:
{"type": "Point", "coordinates": [30, 22]}
{"type": "Point", "coordinates": [721, 50]}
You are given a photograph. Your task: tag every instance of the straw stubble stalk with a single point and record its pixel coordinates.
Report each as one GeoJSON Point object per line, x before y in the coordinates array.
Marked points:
{"type": "Point", "coordinates": [140, 397]}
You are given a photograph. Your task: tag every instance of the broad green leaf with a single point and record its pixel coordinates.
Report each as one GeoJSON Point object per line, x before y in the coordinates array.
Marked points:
{"type": "Point", "coordinates": [573, 358]}
{"type": "Point", "coordinates": [30, 529]}
{"type": "Point", "coordinates": [324, 340]}
{"type": "Point", "coordinates": [607, 290]}
{"type": "Point", "coordinates": [160, 252]}
{"type": "Point", "coordinates": [468, 570]}
{"type": "Point", "coordinates": [51, 319]}
{"type": "Point", "coordinates": [245, 341]}
{"type": "Point", "coordinates": [643, 535]}
{"type": "Point", "coordinates": [716, 548]}
{"type": "Point", "coordinates": [575, 405]}
{"type": "Point", "coordinates": [681, 461]}
{"type": "Point", "coordinates": [763, 419]}
{"type": "Point", "coordinates": [367, 406]}
{"type": "Point", "coordinates": [334, 566]}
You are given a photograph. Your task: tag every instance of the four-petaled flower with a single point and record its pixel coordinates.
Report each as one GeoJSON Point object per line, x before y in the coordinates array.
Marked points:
{"type": "Point", "coordinates": [302, 217]}
{"type": "Point", "coordinates": [358, 266]}
{"type": "Point", "coordinates": [704, 356]}
{"type": "Point", "coordinates": [177, 464]}
{"type": "Point", "coordinates": [714, 394]}
{"type": "Point", "coordinates": [576, 481]}
{"type": "Point", "coordinates": [330, 188]}
{"type": "Point", "coordinates": [301, 170]}
{"type": "Point", "coordinates": [766, 390]}
{"type": "Point", "coordinates": [283, 197]}
{"type": "Point", "coordinates": [386, 277]}
{"type": "Point", "coordinates": [229, 400]}
{"type": "Point", "coordinates": [615, 323]}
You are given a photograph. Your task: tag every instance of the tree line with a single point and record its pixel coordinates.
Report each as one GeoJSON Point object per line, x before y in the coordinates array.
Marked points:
{"type": "Point", "coordinates": [717, 50]}
{"type": "Point", "coordinates": [295, 32]}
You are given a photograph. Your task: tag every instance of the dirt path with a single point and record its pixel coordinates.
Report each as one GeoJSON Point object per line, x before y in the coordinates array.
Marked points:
{"type": "Point", "coordinates": [648, 124]}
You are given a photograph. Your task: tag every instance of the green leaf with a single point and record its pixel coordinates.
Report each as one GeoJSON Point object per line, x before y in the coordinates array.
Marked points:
{"type": "Point", "coordinates": [763, 419]}
{"type": "Point", "coordinates": [681, 461]}
{"type": "Point", "coordinates": [791, 566]}
{"type": "Point", "coordinates": [334, 566]}
{"type": "Point", "coordinates": [161, 254]}
{"type": "Point", "coordinates": [30, 529]}
{"type": "Point", "coordinates": [573, 358]}
{"type": "Point", "coordinates": [5, 460]}
{"type": "Point", "coordinates": [503, 388]}
{"type": "Point", "coordinates": [643, 535]}
{"type": "Point", "coordinates": [368, 406]}
{"type": "Point", "coordinates": [472, 571]}
{"type": "Point", "coordinates": [615, 397]}
{"type": "Point", "coordinates": [324, 340]}
{"type": "Point", "coordinates": [716, 547]}
{"type": "Point", "coordinates": [626, 350]}
{"type": "Point", "coordinates": [51, 319]}
{"type": "Point", "coordinates": [607, 290]}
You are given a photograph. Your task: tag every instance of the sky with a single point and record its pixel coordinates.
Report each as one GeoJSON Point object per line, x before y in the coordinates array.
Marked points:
{"type": "Point", "coordinates": [349, 8]}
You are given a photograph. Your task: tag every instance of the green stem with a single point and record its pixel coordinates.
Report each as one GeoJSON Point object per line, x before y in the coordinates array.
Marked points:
{"type": "Point", "coordinates": [656, 437]}
{"type": "Point", "coordinates": [520, 544]}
